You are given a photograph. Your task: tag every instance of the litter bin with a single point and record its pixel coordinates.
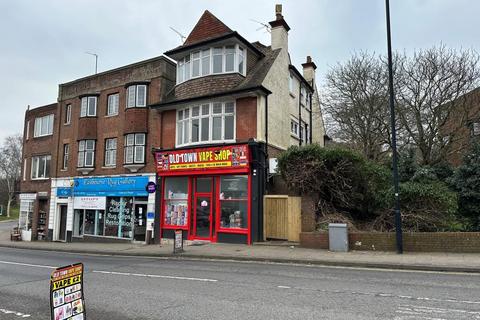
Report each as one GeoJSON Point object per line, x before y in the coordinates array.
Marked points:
{"type": "Point", "coordinates": [338, 237]}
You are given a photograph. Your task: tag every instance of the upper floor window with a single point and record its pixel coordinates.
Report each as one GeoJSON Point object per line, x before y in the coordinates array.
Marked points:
{"type": "Point", "coordinates": [225, 59]}
{"type": "Point", "coordinates": [290, 83]}
{"type": "Point", "coordinates": [86, 153]}
{"type": "Point", "coordinates": [66, 152]}
{"type": "Point", "coordinates": [68, 114]}
{"type": "Point", "coordinates": [27, 133]}
{"type": "Point", "coordinates": [137, 96]}
{"type": "Point", "coordinates": [88, 107]}
{"type": "Point", "coordinates": [112, 104]}
{"type": "Point", "coordinates": [205, 123]}
{"type": "Point", "coordinates": [43, 126]}
{"type": "Point", "coordinates": [110, 152]}
{"type": "Point", "coordinates": [41, 167]}
{"type": "Point", "coordinates": [294, 127]}
{"type": "Point", "coordinates": [135, 148]}
{"type": "Point", "coordinates": [303, 96]}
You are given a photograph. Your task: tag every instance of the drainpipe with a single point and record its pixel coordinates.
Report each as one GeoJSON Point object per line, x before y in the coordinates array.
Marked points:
{"type": "Point", "coordinates": [311, 120]}
{"type": "Point", "coordinates": [300, 112]}
{"type": "Point", "coordinates": [266, 143]}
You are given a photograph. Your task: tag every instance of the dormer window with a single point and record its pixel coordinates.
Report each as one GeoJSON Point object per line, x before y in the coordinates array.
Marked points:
{"type": "Point", "coordinates": [216, 60]}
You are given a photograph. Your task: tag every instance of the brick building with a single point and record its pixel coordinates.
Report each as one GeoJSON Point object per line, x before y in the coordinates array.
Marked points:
{"type": "Point", "coordinates": [239, 99]}
{"type": "Point", "coordinates": [204, 132]}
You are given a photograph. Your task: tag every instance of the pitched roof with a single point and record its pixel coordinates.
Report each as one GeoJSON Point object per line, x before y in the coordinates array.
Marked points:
{"type": "Point", "coordinates": [223, 84]}
{"type": "Point", "coordinates": [208, 26]}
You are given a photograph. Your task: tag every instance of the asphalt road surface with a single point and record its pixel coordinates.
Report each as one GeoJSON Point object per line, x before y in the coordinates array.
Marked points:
{"type": "Point", "coordinates": [121, 288]}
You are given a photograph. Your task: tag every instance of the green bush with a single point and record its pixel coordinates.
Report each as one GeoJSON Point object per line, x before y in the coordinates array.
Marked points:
{"type": "Point", "coordinates": [466, 181]}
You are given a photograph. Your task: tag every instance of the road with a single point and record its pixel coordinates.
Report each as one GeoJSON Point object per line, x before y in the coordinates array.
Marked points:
{"type": "Point", "coordinates": [152, 288]}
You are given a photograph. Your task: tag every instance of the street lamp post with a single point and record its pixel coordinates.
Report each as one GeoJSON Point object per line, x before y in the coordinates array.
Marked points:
{"type": "Point", "coordinates": [398, 217]}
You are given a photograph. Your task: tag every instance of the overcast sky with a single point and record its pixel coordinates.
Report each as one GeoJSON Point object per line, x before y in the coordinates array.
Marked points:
{"type": "Point", "coordinates": [43, 42]}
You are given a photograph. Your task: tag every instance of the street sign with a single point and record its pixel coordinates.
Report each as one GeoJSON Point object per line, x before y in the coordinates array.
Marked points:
{"type": "Point", "coordinates": [178, 242]}
{"type": "Point", "coordinates": [67, 300]}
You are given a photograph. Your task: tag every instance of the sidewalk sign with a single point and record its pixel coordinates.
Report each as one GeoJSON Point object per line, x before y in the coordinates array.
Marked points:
{"type": "Point", "coordinates": [67, 300]}
{"type": "Point", "coordinates": [178, 242]}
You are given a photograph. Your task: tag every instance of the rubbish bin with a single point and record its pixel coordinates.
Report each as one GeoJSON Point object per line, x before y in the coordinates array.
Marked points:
{"type": "Point", "coordinates": [338, 237]}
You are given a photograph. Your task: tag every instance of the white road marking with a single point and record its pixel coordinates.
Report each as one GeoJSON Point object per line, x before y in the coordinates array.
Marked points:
{"type": "Point", "coordinates": [154, 276]}
{"type": "Point", "coordinates": [16, 313]}
{"type": "Point", "coordinates": [27, 264]}
{"type": "Point", "coordinates": [284, 287]}
{"type": "Point", "coordinates": [434, 313]}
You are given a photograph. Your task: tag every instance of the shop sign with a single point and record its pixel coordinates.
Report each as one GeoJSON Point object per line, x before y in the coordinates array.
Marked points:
{"type": "Point", "coordinates": [67, 300]}
{"type": "Point", "coordinates": [28, 196]}
{"type": "Point", "coordinates": [222, 157]}
{"type": "Point", "coordinates": [178, 242]}
{"type": "Point", "coordinates": [151, 187]}
{"type": "Point", "coordinates": [64, 192]}
{"type": "Point", "coordinates": [111, 186]}
{"type": "Point", "coordinates": [94, 203]}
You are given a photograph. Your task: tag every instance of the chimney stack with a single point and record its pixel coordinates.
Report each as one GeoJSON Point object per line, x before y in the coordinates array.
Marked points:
{"type": "Point", "coordinates": [279, 30]}
{"type": "Point", "coordinates": [309, 71]}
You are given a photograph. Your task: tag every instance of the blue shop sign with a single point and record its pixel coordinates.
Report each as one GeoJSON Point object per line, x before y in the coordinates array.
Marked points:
{"type": "Point", "coordinates": [110, 186]}
{"type": "Point", "coordinates": [64, 192]}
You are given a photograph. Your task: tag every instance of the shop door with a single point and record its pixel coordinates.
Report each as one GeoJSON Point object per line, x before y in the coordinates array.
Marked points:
{"type": "Point", "coordinates": [63, 223]}
{"type": "Point", "coordinates": [203, 208]}
{"type": "Point", "coordinates": [140, 222]}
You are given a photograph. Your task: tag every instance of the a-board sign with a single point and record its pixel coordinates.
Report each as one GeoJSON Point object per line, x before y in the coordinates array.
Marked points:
{"type": "Point", "coordinates": [66, 293]}
{"type": "Point", "coordinates": [178, 242]}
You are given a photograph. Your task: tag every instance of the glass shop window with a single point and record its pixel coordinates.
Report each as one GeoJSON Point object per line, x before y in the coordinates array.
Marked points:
{"type": "Point", "coordinates": [176, 201]}
{"type": "Point", "coordinates": [119, 217]}
{"type": "Point", "coordinates": [234, 202]}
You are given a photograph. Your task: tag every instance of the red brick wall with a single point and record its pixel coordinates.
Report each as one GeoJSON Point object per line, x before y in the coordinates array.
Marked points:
{"type": "Point", "coordinates": [246, 114]}
{"type": "Point", "coordinates": [465, 242]}
{"type": "Point", "coordinates": [168, 121]}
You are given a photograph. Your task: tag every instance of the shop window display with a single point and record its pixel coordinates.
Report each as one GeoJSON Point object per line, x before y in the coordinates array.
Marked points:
{"type": "Point", "coordinates": [176, 201]}
{"type": "Point", "coordinates": [234, 202]}
{"type": "Point", "coordinates": [119, 217]}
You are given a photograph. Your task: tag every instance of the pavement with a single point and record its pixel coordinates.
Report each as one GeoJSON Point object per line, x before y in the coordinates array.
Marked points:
{"type": "Point", "coordinates": [266, 252]}
{"type": "Point", "coordinates": [141, 288]}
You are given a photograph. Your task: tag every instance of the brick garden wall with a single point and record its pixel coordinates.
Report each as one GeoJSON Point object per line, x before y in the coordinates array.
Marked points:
{"type": "Point", "coordinates": [465, 242]}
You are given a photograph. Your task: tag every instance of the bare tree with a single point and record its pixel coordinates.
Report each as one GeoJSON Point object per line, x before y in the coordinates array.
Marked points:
{"type": "Point", "coordinates": [430, 91]}
{"type": "Point", "coordinates": [11, 165]}
{"type": "Point", "coordinates": [356, 104]}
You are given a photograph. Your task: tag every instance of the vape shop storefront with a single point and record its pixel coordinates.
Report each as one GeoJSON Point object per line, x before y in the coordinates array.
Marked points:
{"type": "Point", "coordinates": [113, 208]}
{"type": "Point", "coordinates": [208, 193]}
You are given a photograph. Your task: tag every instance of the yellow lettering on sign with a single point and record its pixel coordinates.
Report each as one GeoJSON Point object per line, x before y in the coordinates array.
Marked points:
{"type": "Point", "coordinates": [67, 282]}
{"type": "Point", "coordinates": [223, 155]}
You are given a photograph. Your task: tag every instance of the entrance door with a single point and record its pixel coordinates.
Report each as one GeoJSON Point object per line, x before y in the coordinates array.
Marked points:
{"type": "Point", "coordinates": [203, 208]}
{"type": "Point", "coordinates": [62, 235]}
{"type": "Point", "coordinates": [140, 222]}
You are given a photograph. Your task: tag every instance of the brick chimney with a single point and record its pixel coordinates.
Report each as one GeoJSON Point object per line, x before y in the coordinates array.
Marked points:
{"type": "Point", "coordinates": [309, 71]}
{"type": "Point", "coordinates": [279, 30]}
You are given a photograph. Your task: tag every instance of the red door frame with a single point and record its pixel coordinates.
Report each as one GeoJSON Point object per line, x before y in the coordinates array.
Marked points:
{"type": "Point", "coordinates": [194, 205]}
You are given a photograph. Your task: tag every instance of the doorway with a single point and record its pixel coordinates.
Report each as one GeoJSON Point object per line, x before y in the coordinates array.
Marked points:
{"type": "Point", "coordinates": [140, 222]}
{"type": "Point", "coordinates": [62, 234]}
{"type": "Point", "coordinates": [203, 208]}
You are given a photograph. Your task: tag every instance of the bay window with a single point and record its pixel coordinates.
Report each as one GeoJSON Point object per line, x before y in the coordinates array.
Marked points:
{"type": "Point", "coordinates": [43, 126]}
{"type": "Point", "coordinates": [137, 96]}
{"type": "Point", "coordinates": [135, 148]}
{"type": "Point", "coordinates": [41, 167]}
{"type": "Point", "coordinates": [217, 60]}
{"type": "Point", "coordinates": [206, 123]}
{"type": "Point", "coordinates": [86, 153]}
{"type": "Point", "coordinates": [88, 107]}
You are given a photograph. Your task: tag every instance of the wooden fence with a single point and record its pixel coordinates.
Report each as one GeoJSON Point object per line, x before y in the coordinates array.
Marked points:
{"type": "Point", "coordinates": [282, 217]}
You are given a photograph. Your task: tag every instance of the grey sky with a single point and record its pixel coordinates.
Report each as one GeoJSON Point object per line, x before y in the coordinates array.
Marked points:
{"type": "Point", "coordinates": [43, 42]}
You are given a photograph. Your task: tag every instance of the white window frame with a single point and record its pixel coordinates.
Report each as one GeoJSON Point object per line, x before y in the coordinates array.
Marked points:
{"type": "Point", "coordinates": [42, 129]}
{"type": "Point", "coordinates": [185, 68]}
{"type": "Point", "coordinates": [113, 103]}
{"type": "Point", "coordinates": [86, 108]}
{"type": "Point", "coordinates": [110, 152]}
{"type": "Point", "coordinates": [294, 127]}
{"type": "Point", "coordinates": [134, 102]}
{"type": "Point", "coordinates": [25, 169]}
{"type": "Point", "coordinates": [35, 172]}
{"type": "Point", "coordinates": [27, 134]}
{"type": "Point", "coordinates": [66, 153]}
{"type": "Point", "coordinates": [137, 149]}
{"type": "Point", "coordinates": [188, 123]}
{"type": "Point", "coordinates": [84, 151]}
{"type": "Point", "coordinates": [68, 114]}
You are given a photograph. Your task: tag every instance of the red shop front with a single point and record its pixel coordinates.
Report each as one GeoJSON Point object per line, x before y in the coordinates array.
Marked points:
{"type": "Point", "coordinates": [207, 193]}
